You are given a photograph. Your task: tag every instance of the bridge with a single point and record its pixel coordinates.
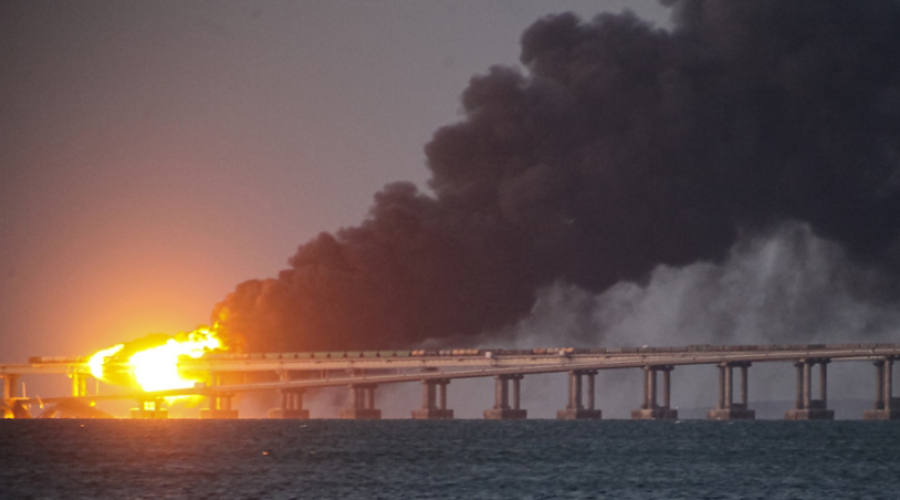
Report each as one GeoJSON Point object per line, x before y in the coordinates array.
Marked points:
{"type": "Point", "coordinates": [291, 374]}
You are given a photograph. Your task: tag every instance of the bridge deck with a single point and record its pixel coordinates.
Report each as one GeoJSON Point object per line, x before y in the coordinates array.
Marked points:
{"type": "Point", "coordinates": [481, 363]}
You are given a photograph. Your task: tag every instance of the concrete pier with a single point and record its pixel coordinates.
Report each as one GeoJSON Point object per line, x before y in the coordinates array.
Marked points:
{"type": "Point", "coordinates": [805, 407]}
{"type": "Point", "coordinates": [10, 386]}
{"type": "Point", "coordinates": [79, 384]}
{"type": "Point", "coordinates": [11, 390]}
{"type": "Point", "coordinates": [502, 409]}
{"type": "Point", "coordinates": [219, 405]}
{"type": "Point", "coordinates": [150, 409]}
{"type": "Point", "coordinates": [362, 403]}
{"type": "Point", "coordinates": [887, 407]}
{"type": "Point", "coordinates": [291, 405]}
{"type": "Point", "coordinates": [650, 409]}
{"type": "Point", "coordinates": [434, 401]}
{"type": "Point", "coordinates": [576, 409]}
{"type": "Point", "coordinates": [727, 408]}
{"type": "Point", "coordinates": [291, 401]}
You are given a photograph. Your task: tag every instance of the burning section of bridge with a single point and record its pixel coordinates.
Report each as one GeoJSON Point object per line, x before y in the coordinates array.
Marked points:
{"type": "Point", "coordinates": [151, 363]}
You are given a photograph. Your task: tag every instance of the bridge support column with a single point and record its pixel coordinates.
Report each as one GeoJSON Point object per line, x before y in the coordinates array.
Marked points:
{"type": "Point", "coordinates": [727, 408]}
{"type": "Point", "coordinates": [434, 401]}
{"type": "Point", "coordinates": [291, 401]}
{"type": "Point", "coordinates": [10, 386]}
{"type": "Point", "coordinates": [575, 409]}
{"type": "Point", "coordinates": [502, 409]}
{"type": "Point", "coordinates": [887, 407]}
{"type": "Point", "coordinates": [805, 407]}
{"type": "Point", "coordinates": [362, 403]}
{"type": "Point", "coordinates": [219, 407]}
{"type": "Point", "coordinates": [291, 405]}
{"type": "Point", "coordinates": [219, 404]}
{"type": "Point", "coordinates": [8, 408]}
{"type": "Point", "coordinates": [79, 384]}
{"type": "Point", "coordinates": [150, 409]}
{"type": "Point", "coordinates": [650, 409]}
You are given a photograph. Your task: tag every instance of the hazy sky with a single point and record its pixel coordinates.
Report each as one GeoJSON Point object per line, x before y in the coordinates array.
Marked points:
{"type": "Point", "coordinates": [155, 154]}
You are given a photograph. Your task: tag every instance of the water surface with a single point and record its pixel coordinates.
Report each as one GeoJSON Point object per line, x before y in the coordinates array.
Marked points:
{"type": "Point", "coordinates": [402, 459]}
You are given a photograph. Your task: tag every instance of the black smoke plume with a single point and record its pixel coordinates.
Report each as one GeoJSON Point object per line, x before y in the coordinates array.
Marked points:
{"type": "Point", "coordinates": [619, 148]}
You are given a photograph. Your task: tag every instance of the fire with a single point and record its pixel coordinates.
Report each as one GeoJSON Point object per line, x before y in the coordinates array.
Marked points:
{"type": "Point", "coordinates": [156, 368]}
{"type": "Point", "coordinates": [98, 360]}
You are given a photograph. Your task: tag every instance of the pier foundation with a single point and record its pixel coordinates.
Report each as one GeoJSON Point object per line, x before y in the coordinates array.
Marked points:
{"type": "Point", "coordinates": [651, 409]}
{"type": "Point", "coordinates": [149, 409]}
{"type": "Point", "coordinates": [887, 407]}
{"type": "Point", "coordinates": [727, 408]}
{"type": "Point", "coordinates": [219, 404]}
{"type": "Point", "coordinates": [362, 403]}
{"type": "Point", "coordinates": [502, 409]}
{"type": "Point", "coordinates": [291, 405]}
{"type": "Point", "coordinates": [291, 401]}
{"type": "Point", "coordinates": [806, 408]}
{"type": "Point", "coordinates": [576, 409]}
{"type": "Point", "coordinates": [10, 385]}
{"type": "Point", "coordinates": [434, 401]}
{"type": "Point", "coordinates": [219, 407]}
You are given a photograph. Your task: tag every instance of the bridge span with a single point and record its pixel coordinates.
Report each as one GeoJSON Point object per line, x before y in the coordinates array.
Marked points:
{"type": "Point", "coordinates": [291, 374]}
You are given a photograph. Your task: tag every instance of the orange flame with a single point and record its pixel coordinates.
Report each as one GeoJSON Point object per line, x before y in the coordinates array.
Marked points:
{"type": "Point", "coordinates": [156, 368]}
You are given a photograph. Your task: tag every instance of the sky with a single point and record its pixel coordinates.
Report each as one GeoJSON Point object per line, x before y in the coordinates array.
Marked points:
{"type": "Point", "coordinates": [154, 155]}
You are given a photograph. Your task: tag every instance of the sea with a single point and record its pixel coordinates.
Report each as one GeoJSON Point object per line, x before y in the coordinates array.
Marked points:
{"type": "Point", "coordinates": [458, 459]}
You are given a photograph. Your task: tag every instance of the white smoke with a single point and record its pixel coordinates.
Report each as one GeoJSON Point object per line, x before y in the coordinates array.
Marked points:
{"type": "Point", "coordinates": [787, 288]}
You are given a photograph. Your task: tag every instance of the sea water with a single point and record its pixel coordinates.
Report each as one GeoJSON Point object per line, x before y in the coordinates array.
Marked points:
{"type": "Point", "coordinates": [461, 459]}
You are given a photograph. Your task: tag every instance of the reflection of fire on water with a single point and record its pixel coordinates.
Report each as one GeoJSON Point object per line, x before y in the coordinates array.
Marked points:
{"type": "Point", "coordinates": [152, 362]}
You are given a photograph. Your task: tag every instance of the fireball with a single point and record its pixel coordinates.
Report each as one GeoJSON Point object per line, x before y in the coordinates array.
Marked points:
{"type": "Point", "coordinates": [99, 359]}
{"type": "Point", "coordinates": [155, 367]}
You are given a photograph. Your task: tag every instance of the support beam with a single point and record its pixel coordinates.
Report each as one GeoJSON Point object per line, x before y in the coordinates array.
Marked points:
{"type": "Point", "coordinates": [10, 409]}
{"type": "Point", "coordinates": [720, 405]}
{"type": "Point", "coordinates": [879, 385]}
{"type": "Point", "coordinates": [501, 392]}
{"type": "Point", "coordinates": [650, 378]}
{"type": "Point", "coordinates": [150, 409]}
{"type": "Point", "coordinates": [502, 409]}
{"type": "Point", "coordinates": [219, 405]}
{"type": "Point", "coordinates": [442, 394]}
{"type": "Point", "coordinates": [362, 401]}
{"type": "Point", "coordinates": [726, 408]}
{"type": "Point", "coordinates": [888, 384]}
{"type": "Point", "coordinates": [291, 405]}
{"type": "Point", "coordinates": [745, 401]}
{"type": "Point", "coordinates": [650, 410]}
{"type": "Point", "coordinates": [79, 384]}
{"type": "Point", "coordinates": [667, 386]}
{"type": "Point", "coordinates": [591, 388]}
{"type": "Point", "coordinates": [291, 401]}
{"type": "Point", "coordinates": [575, 409]}
{"type": "Point", "coordinates": [807, 408]}
{"type": "Point", "coordinates": [434, 401]}
{"type": "Point", "coordinates": [807, 385]}
{"type": "Point", "coordinates": [10, 386]}
{"type": "Point", "coordinates": [729, 386]}
{"type": "Point", "coordinates": [516, 392]}
{"type": "Point", "coordinates": [887, 407]}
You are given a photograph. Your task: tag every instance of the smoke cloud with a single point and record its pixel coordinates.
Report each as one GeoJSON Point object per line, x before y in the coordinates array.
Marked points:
{"type": "Point", "coordinates": [619, 151]}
